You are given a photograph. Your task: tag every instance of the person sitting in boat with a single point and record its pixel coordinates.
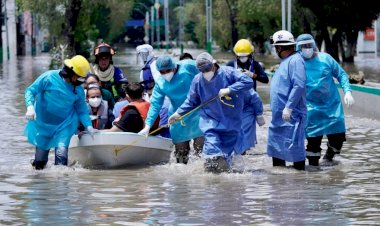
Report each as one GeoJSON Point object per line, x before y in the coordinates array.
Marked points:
{"type": "Point", "coordinates": [174, 83]}
{"type": "Point", "coordinates": [112, 78]}
{"type": "Point", "coordinates": [132, 116]}
{"type": "Point", "coordinates": [101, 116]}
{"type": "Point", "coordinates": [106, 95]}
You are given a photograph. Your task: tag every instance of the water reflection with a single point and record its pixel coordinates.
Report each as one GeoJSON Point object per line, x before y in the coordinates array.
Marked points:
{"type": "Point", "coordinates": [175, 194]}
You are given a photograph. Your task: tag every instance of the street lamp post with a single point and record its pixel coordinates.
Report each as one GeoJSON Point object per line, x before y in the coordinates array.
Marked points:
{"type": "Point", "coordinates": [166, 18]}
{"type": "Point", "coordinates": [209, 26]}
{"type": "Point", "coordinates": [157, 6]}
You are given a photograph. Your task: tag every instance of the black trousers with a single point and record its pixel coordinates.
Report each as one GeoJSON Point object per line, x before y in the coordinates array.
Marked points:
{"type": "Point", "coordinates": [335, 140]}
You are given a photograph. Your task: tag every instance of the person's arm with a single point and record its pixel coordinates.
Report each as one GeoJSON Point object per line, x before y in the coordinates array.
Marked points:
{"type": "Point", "coordinates": [81, 108]}
{"type": "Point", "coordinates": [261, 76]}
{"type": "Point", "coordinates": [297, 76]}
{"type": "Point", "coordinates": [36, 87]}
{"type": "Point", "coordinates": [242, 82]}
{"type": "Point", "coordinates": [338, 73]}
{"type": "Point", "coordinates": [256, 102]}
{"type": "Point", "coordinates": [156, 102]}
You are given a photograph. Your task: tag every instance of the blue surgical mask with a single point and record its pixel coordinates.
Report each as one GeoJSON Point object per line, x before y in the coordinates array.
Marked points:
{"type": "Point", "coordinates": [307, 53]}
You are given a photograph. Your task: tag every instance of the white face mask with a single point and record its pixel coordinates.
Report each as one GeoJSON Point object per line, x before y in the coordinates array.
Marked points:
{"type": "Point", "coordinates": [243, 59]}
{"type": "Point", "coordinates": [94, 102]}
{"type": "Point", "coordinates": [307, 53]}
{"type": "Point", "coordinates": [208, 75]}
{"type": "Point", "coordinates": [168, 76]}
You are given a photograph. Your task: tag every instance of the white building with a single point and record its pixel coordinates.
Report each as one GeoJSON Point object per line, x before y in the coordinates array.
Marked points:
{"type": "Point", "coordinates": [368, 44]}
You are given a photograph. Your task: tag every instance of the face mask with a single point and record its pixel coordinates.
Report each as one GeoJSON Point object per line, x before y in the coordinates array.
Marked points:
{"type": "Point", "coordinates": [307, 52]}
{"type": "Point", "coordinates": [208, 75]}
{"type": "Point", "coordinates": [94, 102]}
{"type": "Point", "coordinates": [168, 76]}
{"type": "Point", "coordinates": [243, 59]}
{"type": "Point", "coordinates": [78, 82]}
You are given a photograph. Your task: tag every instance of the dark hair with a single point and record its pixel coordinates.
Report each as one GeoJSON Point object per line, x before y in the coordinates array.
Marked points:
{"type": "Point", "coordinates": [94, 76]}
{"type": "Point", "coordinates": [135, 90]}
{"type": "Point", "coordinates": [186, 56]}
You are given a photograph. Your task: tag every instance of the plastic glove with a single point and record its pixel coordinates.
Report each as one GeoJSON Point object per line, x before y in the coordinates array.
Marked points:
{"type": "Point", "coordinates": [91, 130]}
{"type": "Point", "coordinates": [30, 113]}
{"type": "Point", "coordinates": [260, 120]}
{"type": "Point", "coordinates": [224, 92]}
{"type": "Point", "coordinates": [348, 99]}
{"type": "Point", "coordinates": [286, 113]}
{"type": "Point", "coordinates": [250, 74]}
{"type": "Point", "coordinates": [145, 131]}
{"type": "Point", "coordinates": [173, 118]}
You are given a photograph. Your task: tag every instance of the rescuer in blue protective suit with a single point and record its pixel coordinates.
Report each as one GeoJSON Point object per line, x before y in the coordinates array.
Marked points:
{"type": "Point", "coordinates": [252, 114]}
{"type": "Point", "coordinates": [325, 114]}
{"type": "Point", "coordinates": [286, 137]}
{"type": "Point", "coordinates": [220, 120]}
{"type": "Point", "coordinates": [55, 104]}
{"type": "Point", "coordinates": [175, 83]}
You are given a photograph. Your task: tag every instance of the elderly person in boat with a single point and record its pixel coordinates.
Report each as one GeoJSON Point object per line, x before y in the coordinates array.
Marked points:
{"type": "Point", "coordinates": [174, 83]}
{"type": "Point", "coordinates": [325, 114]}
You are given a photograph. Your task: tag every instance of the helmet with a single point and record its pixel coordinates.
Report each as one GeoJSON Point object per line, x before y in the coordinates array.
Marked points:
{"type": "Point", "coordinates": [243, 48]}
{"type": "Point", "coordinates": [145, 51]}
{"type": "Point", "coordinates": [305, 39]}
{"type": "Point", "coordinates": [104, 48]}
{"type": "Point", "coordinates": [282, 38]}
{"type": "Point", "coordinates": [78, 64]}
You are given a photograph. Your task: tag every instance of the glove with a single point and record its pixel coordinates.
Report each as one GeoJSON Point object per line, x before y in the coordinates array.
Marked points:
{"type": "Point", "coordinates": [30, 113]}
{"type": "Point", "coordinates": [145, 131]}
{"type": "Point", "coordinates": [249, 73]}
{"type": "Point", "coordinates": [260, 120]}
{"type": "Point", "coordinates": [286, 113]}
{"type": "Point", "coordinates": [91, 130]}
{"type": "Point", "coordinates": [173, 118]}
{"type": "Point", "coordinates": [348, 99]}
{"type": "Point", "coordinates": [224, 92]}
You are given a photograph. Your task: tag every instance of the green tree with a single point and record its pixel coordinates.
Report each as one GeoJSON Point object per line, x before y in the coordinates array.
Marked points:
{"type": "Point", "coordinates": [338, 23]}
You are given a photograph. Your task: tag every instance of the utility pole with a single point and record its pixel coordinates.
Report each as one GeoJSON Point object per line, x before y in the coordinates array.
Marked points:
{"type": "Point", "coordinates": [283, 15]}
{"type": "Point", "coordinates": [166, 18]}
{"type": "Point", "coordinates": [151, 25]}
{"type": "Point", "coordinates": [157, 6]}
{"type": "Point", "coordinates": [209, 26]}
{"type": "Point", "coordinates": [180, 29]}
{"type": "Point", "coordinates": [11, 29]}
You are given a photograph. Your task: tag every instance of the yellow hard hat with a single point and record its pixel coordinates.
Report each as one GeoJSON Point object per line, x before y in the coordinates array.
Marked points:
{"type": "Point", "coordinates": [79, 65]}
{"type": "Point", "coordinates": [243, 48]}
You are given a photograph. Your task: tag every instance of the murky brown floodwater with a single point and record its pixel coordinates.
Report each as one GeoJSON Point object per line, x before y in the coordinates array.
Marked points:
{"type": "Point", "coordinates": [343, 194]}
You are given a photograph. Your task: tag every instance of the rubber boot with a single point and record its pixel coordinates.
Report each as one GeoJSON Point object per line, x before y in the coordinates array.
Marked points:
{"type": "Point", "coordinates": [313, 160]}
{"type": "Point", "coordinates": [182, 156]}
{"type": "Point", "coordinates": [278, 162]}
{"type": "Point", "coordinates": [39, 165]}
{"type": "Point", "coordinates": [299, 165]}
{"type": "Point", "coordinates": [330, 153]}
{"type": "Point", "coordinates": [216, 165]}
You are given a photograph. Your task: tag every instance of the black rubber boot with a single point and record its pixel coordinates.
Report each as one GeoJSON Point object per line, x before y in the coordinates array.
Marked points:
{"type": "Point", "coordinates": [216, 165]}
{"type": "Point", "coordinates": [278, 162]}
{"type": "Point", "coordinates": [313, 160]}
{"type": "Point", "coordinates": [299, 165]}
{"type": "Point", "coordinates": [39, 165]}
{"type": "Point", "coordinates": [182, 156]}
{"type": "Point", "coordinates": [330, 153]}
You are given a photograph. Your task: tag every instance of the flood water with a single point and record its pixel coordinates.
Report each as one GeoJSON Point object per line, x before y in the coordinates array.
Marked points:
{"type": "Point", "coordinates": [345, 193]}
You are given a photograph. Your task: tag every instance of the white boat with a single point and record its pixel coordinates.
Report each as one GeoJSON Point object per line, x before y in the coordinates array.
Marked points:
{"type": "Point", "coordinates": [118, 149]}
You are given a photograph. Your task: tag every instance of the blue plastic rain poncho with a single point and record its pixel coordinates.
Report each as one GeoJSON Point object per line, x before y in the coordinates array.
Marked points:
{"type": "Point", "coordinates": [253, 106]}
{"type": "Point", "coordinates": [220, 123]}
{"type": "Point", "coordinates": [288, 89]}
{"type": "Point", "coordinates": [58, 111]}
{"type": "Point", "coordinates": [176, 90]}
{"type": "Point", "coordinates": [324, 108]}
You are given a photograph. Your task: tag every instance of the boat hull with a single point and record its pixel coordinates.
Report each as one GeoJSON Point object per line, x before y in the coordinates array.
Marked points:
{"type": "Point", "coordinates": [119, 149]}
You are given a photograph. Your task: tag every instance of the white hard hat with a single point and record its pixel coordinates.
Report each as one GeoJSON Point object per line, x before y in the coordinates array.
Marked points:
{"type": "Point", "coordinates": [282, 38]}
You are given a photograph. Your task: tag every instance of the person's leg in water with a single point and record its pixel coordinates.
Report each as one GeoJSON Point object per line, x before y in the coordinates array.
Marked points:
{"type": "Point", "coordinates": [182, 152]}
{"type": "Point", "coordinates": [278, 162]}
{"type": "Point", "coordinates": [334, 145]}
{"type": "Point", "coordinates": [313, 150]}
{"type": "Point", "coordinates": [299, 165]}
{"type": "Point", "coordinates": [40, 158]}
{"type": "Point", "coordinates": [61, 156]}
{"type": "Point", "coordinates": [198, 145]}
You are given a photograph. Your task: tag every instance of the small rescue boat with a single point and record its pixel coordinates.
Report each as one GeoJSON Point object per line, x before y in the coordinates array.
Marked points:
{"type": "Point", "coordinates": [119, 149]}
